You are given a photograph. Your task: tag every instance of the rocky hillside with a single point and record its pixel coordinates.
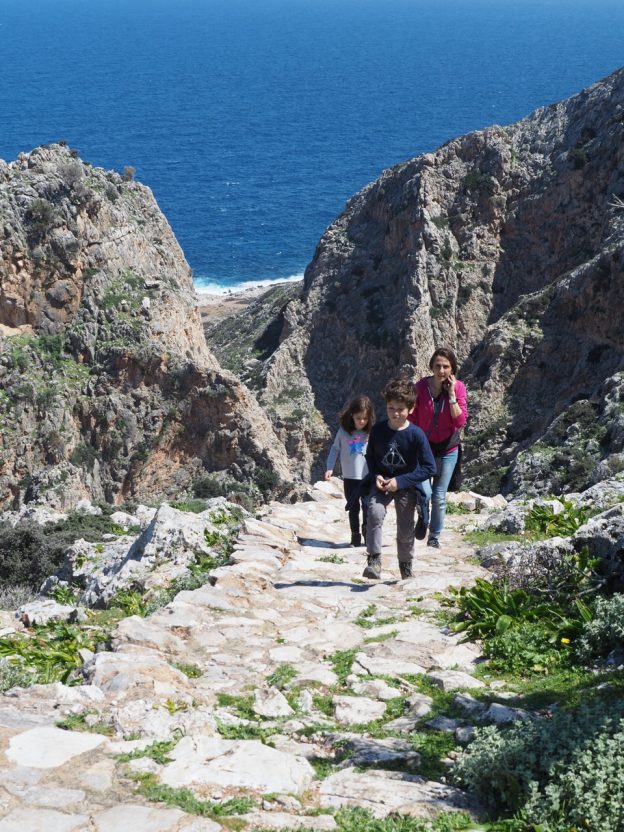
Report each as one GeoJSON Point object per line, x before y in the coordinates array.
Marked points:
{"type": "Point", "coordinates": [506, 244]}
{"type": "Point", "coordinates": [108, 389]}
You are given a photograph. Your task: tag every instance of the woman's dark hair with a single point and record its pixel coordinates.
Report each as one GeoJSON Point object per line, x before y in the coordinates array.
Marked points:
{"type": "Point", "coordinates": [356, 405]}
{"type": "Point", "coordinates": [450, 356]}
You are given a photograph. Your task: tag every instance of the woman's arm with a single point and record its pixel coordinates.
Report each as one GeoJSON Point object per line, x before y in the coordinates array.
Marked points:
{"type": "Point", "coordinates": [458, 404]}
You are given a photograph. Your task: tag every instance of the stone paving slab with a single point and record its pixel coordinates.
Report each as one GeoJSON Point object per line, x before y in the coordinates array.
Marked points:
{"type": "Point", "coordinates": [280, 607]}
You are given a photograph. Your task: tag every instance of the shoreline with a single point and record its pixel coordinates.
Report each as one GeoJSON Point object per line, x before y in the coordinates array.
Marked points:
{"type": "Point", "coordinates": [221, 304]}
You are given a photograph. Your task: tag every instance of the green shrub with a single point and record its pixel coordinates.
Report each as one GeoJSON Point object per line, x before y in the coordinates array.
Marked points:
{"type": "Point", "coordinates": [588, 792]}
{"type": "Point", "coordinates": [29, 553]}
{"type": "Point", "coordinates": [209, 486]}
{"type": "Point", "coordinates": [41, 214]}
{"type": "Point", "coordinates": [578, 157]}
{"type": "Point", "coordinates": [528, 764]}
{"type": "Point", "coordinates": [266, 480]}
{"type": "Point", "coordinates": [14, 676]}
{"type": "Point", "coordinates": [477, 180]}
{"type": "Point", "coordinates": [527, 647]}
{"type": "Point", "coordinates": [83, 456]}
{"type": "Point", "coordinates": [605, 632]}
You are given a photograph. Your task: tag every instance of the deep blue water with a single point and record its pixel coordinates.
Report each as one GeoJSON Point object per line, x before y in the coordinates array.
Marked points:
{"type": "Point", "coordinates": [253, 121]}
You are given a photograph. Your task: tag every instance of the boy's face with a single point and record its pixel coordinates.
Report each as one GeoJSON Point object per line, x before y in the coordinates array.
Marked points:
{"type": "Point", "coordinates": [397, 413]}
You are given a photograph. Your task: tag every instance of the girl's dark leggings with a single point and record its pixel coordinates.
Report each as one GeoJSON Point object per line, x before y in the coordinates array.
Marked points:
{"type": "Point", "coordinates": [353, 496]}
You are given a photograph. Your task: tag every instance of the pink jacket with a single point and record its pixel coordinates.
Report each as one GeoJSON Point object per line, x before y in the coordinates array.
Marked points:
{"type": "Point", "coordinates": [422, 415]}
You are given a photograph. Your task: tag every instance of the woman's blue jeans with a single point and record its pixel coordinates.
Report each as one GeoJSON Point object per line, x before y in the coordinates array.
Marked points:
{"type": "Point", "coordinates": [437, 492]}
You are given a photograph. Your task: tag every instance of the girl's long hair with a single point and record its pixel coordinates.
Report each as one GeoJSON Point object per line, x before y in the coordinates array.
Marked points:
{"type": "Point", "coordinates": [356, 405]}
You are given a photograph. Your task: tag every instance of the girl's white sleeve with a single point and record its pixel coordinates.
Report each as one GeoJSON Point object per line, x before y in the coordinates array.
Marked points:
{"type": "Point", "coordinates": [334, 451]}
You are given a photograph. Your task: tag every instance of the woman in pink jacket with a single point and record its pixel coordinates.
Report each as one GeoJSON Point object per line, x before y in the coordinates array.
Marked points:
{"type": "Point", "coordinates": [440, 411]}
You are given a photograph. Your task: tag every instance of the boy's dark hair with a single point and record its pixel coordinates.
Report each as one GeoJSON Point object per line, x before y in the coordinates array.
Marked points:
{"type": "Point", "coordinates": [450, 356]}
{"type": "Point", "coordinates": [356, 405]}
{"type": "Point", "coordinates": [400, 390]}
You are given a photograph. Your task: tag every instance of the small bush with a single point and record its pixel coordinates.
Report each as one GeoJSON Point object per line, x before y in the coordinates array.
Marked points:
{"type": "Point", "coordinates": [209, 486]}
{"type": "Point", "coordinates": [528, 647]}
{"type": "Point", "coordinates": [83, 456]}
{"type": "Point", "coordinates": [478, 181]}
{"type": "Point", "coordinates": [533, 765]}
{"type": "Point", "coordinates": [128, 173]}
{"type": "Point", "coordinates": [266, 480]}
{"type": "Point", "coordinates": [578, 157]}
{"type": "Point", "coordinates": [41, 214]}
{"type": "Point", "coordinates": [605, 632]}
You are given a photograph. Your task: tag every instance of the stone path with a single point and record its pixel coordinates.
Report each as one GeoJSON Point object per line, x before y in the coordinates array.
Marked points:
{"type": "Point", "coordinates": [247, 681]}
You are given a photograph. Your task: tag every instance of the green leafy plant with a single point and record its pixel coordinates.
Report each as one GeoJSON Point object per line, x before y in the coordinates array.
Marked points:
{"type": "Point", "coordinates": [51, 653]}
{"type": "Point", "coordinates": [332, 559]}
{"type": "Point", "coordinates": [130, 602]}
{"type": "Point", "coordinates": [544, 520]}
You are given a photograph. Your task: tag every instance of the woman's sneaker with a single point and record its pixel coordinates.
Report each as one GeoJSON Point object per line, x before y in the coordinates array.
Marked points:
{"type": "Point", "coordinates": [373, 567]}
{"type": "Point", "coordinates": [434, 542]}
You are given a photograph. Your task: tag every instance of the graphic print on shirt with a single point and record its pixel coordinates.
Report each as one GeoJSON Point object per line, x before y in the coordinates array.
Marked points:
{"type": "Point", "coordinates": [357, 445]}
{"type": "Point", "coordinates": [392, 458]}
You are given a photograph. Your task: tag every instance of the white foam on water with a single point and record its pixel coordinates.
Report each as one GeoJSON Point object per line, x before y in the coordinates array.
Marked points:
{"type": "Point", "coordinates": [205, 286]}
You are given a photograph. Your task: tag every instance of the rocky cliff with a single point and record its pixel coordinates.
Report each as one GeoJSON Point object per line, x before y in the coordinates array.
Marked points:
{"type": "Point", "coordinates": [108, 389]}
{"type": "Point", "coordinates": [505, 244]}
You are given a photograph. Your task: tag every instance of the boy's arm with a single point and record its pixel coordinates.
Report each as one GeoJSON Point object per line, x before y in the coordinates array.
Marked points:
{"type": "Point", "coordinates": [425, 467]}
{"type": "Point", "coordinates": [370, 456]}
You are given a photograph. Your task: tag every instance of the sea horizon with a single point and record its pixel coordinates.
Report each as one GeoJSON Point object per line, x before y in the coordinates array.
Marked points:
{"type": "Point", "coordinates": [254, 123]}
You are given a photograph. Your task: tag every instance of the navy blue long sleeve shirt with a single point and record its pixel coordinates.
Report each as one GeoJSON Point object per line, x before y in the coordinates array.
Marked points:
{"type": "Point", "coordinates": [403, 454]}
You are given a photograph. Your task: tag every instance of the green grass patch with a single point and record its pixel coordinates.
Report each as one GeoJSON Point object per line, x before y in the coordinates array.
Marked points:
{"type": "Point", "coordinates": [280, 677]}
{"type": "Point", "coordinates": [78, 722]}
{"type": "Point", "coordinates": [485, 537]}
{"type": "Point", "coordinates": [151, 789]}
{"type": "Point", "coordinates": [157, 751]}
{"type": "Point", "coordinates": [367, 621]}
{"type": "Point", "coordinates": [382, 637]}
{"type": "Point", "coordinates": [242, 705]}
{"type": "Point", "coordinates": [193, 671]}
{"type": "Point", "coordinates": [342, 661]}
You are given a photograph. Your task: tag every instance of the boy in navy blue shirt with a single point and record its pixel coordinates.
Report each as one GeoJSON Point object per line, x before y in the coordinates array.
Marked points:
{"type": "Point", "coordinates": [398, 458]}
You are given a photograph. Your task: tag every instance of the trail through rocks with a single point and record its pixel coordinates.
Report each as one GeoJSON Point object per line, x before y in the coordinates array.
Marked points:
{"type": "Point", "coordinates": [286, 666]}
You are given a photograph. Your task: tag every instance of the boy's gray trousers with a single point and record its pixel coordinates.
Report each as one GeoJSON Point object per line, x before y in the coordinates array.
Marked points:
{"type": "Point", "coordinates": [405, 505]}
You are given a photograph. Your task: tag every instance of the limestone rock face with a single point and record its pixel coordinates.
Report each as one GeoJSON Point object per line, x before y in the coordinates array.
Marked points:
{"type": "Point", "coordinates": [108, 389]}
{"type": "Point", "coordinates": [507, 245]}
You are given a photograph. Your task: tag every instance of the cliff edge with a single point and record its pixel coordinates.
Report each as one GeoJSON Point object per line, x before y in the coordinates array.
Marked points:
{"type": "Point", "coordinates": [108, 388]}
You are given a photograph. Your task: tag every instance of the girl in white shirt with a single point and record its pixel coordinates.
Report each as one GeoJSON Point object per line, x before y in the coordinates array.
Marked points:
{"type": "Point", "coordinates": [356, 420]}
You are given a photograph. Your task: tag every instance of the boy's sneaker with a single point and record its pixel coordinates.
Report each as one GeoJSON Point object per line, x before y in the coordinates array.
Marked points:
{"type": "Point", "coordinates": [420, 530]}
{"type": "Point", "coordinates": [433, 541]}
{"type": "Point", "coordinates": [373, 567]}
{"type": "Point", "coordinates": [356, 539]}
{"type": "Point", "coordinates": [406, 569]}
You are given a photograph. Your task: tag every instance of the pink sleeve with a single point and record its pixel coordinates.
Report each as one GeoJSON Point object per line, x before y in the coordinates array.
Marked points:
{"type": "Point", "coordinates": [460, 392]}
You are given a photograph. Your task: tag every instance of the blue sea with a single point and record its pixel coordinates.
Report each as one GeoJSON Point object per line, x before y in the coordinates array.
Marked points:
{"type": "Point", "coordinates": [253, 121]}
